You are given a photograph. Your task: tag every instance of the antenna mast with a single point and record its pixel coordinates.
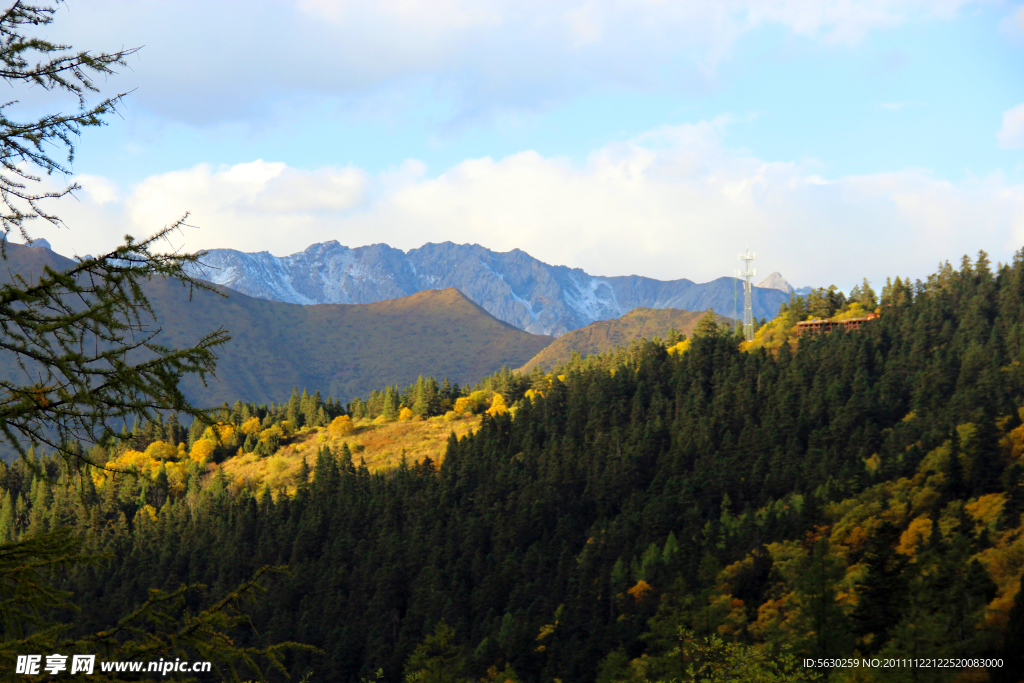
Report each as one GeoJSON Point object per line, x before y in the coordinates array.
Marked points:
{"type": "Point", "coordinates": [748, 308]}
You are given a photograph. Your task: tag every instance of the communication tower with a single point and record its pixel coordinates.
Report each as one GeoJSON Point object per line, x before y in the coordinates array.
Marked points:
{"type": "Point", "coordinates": [748, 304]}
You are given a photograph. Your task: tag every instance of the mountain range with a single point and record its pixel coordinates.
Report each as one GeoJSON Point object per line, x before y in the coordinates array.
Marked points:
{"type": "Point", "coordinates": [346, 350]}
{"type": "Point", "coordinates": [512, 286]}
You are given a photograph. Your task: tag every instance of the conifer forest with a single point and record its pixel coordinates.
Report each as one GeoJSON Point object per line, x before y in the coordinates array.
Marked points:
{"type": "Point", "coordinates": [658, 512]}
{"type": "Point", "coordinates": [420, 459]}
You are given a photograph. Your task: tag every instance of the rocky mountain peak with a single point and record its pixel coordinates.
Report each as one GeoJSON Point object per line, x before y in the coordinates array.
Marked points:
{"type": "Point", "coordinates": [776, 281]}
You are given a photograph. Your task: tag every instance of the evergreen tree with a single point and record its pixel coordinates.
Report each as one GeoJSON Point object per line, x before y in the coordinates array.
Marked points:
{"type": "Point", "coordinates": [707, 326]}
{"type": "Point", "coordinates": [437, 659]}
{"type": "Point", "coordinates": [864, 295]}
{"type": "Point", "coordinates": [314, 407]}
{"type": "Point", "coordinates": [293, 412]}
{"type": "Point", "coordinates": [882, 598]}
{"type": "Point", "coordinates": [7, 530]}
{"type": "Point", "coordinates": [174, 431]}
{"type": "Point", "coordinates": [389, 408]}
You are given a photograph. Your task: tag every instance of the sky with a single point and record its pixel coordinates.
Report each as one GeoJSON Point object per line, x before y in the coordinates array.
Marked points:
{"type": "Point", "coordinates": [838, 139]}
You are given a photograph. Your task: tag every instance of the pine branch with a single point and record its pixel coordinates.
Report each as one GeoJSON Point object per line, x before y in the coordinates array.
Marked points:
{"type": "Point", "coordinates": [88, 355]}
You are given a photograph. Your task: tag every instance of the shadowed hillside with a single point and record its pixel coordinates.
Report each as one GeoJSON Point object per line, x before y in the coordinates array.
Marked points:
{"type": "Point", "coordinates": [607, 334]}
{"type": "Point", "coordinates": [344, 349]}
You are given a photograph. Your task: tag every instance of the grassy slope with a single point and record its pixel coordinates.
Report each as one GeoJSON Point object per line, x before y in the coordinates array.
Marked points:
{"type": "Point", "coordinates": [379, 446]}
{"type": "Point", "coordinates": [347, 350]}
{"type": "Point", "coordinates": [605, 335]}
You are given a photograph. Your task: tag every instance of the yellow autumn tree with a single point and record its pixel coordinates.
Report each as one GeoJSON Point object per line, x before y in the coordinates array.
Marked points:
{"type": "Point", "coordinates": [202, 451]}
{"type": "Point", "coordinates": [405, 414]}
{"type": "Point", "coordinates": [131, 459]}
{"type": "Point", "coordinates": [918, 532]}
{"type": "Point", "coordinates": [225, 433]}
{"type": "Point", "coordinates": [681, 347]}
{"type": "Point", "coordinates": [251, 426]}
{"type": "Point", "coordinates": [478, 402]}
{"type": "Point", "coordinates": [507, 675]}
{"type": "Point", "coordinates": [160, 450]}
{"type": "Point", "coordinates": [149, 511]}
{"type": "Point", "coordinates": [498, 406]}
{"type": "Point", "coordinates": [986, 510]}
{"type": "Point", "coordinates": [340, 426]}
{"type": "Point", "coordinates": [640, 590]}
{"type": "Point", "coordinates": [272, 432]}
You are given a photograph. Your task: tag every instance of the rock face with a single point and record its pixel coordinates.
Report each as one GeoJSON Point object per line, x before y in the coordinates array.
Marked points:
{"type": "Point", "coordinates": [512, 286]}
{"type": "Point", "coordinates": [776, 281]}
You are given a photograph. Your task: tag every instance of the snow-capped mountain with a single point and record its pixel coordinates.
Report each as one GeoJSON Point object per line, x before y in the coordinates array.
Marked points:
{"type": "Point", "coordinates": [512, 286]}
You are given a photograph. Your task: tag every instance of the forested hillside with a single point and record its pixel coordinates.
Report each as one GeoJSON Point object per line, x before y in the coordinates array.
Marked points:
{"type": "Point", "coordinates": [850, 494]}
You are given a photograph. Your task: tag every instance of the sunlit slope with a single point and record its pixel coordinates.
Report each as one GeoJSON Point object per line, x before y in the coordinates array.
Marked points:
{"type": "Point", "coordinates": [339, 349]}
{"type": "Point", "coordinates": [378, 446]}
{"type": "Point", "coordinates": [605, 335]}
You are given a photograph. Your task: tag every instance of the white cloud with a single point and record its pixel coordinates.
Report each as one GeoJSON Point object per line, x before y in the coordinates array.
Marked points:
{"type": "Point", "coordinates": [482, 54]}
{"type": "Point", "coordinates": [670, 204]}
{"type": "Point", "coordinates": [99, 190]}
{"type": "Point", "coordinates": [1011, 135]}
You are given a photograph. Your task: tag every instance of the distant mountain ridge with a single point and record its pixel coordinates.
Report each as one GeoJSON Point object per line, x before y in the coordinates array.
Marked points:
{"type": "Point", "coordinates": [512, 286]}
{"type": "Point", "coordinates": [346, 351]}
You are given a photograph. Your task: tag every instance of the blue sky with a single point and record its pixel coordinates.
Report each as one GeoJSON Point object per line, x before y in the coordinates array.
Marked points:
{"type": "Point", "coordinates": [839, 139]}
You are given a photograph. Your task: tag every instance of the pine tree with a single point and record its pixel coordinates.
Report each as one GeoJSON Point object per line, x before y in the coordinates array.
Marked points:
{"type": "Point", "coordinates": [195, 431]}
{"type": "Point", "coordinates": [864, 295]}
{"type": "Point", "coordinates": [236, 413]}
{"type": "Point", "coordinates": [7, 531]}
{"type": "Point", "coordinates": [390, 404]}
{"type": "Point", "coordinates": [820, 614]}
{"type": "Point", "coordinates": [707, 327]}
{"type": "Point", "coordinates": [314, 406]}
{"type": "Point", "coordinates": [986, 457]}
{"type": "Point", "coordinates": [437, 659]}
{"type": "Point", "coordinates": [882, 596]}
{"type": "Point", "coordinates": [294, 410]}
{"type": "Point", "coordinates": [173, 430]}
